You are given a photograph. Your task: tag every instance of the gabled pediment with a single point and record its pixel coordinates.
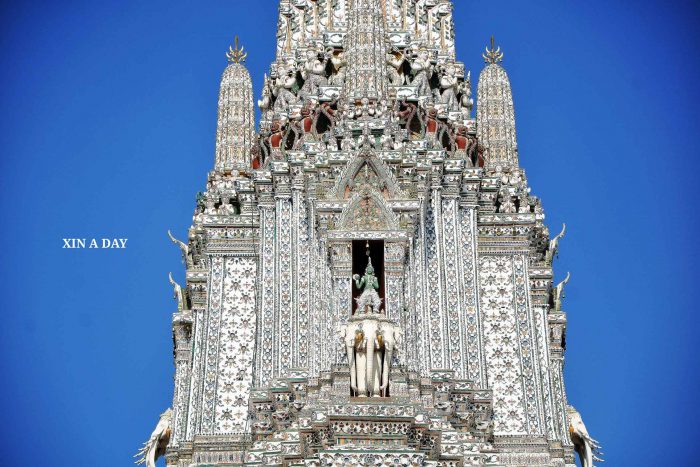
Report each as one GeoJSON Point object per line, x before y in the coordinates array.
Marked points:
{"type": "Point", "coordinates": [367, 210]}
{"type": "Point", "coordinates": [366, 171]}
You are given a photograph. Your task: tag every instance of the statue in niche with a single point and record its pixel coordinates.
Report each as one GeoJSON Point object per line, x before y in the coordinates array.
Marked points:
{"type": "Point", "coordinates": [338, 62]}
{"type": "Point", "coordinates": [313, 70]}
{"type": "Point", "coordinates": [256, 157]}
{"type": "Point", "coordinates": [210, 203]}
{"type": "Point", "coordinates": [266, 100]}
{"type": "Point", "coordinates": [461, 138]}
{"type": "Point", "coordinates": [422, 70]}
{"type": "Point", "coordinates": [303, 124]}
{"type": "Point", "coordinates": [466, 102]}
{"type": "Point", "coordinates": [325, 119]}
{"type": "Point", "coordinates": [523, 202]}
{"type": "Point", "coordinates": [284, 84]}
{"type": "Point", "coordinates": [395, 59]}
{"type": "Point", "coordinates": [409, 118]}
{"type": "Point", "coordinates": [450, 86]}
{"type": "Point", "coordinates": [506, 204]}
{"type": "Point", "coordinates": [432, 125]}
{"type": "Point", "coordinates": [226, 207]}
{"type": "Point", "coordinates": [276, 137]}
{"type": "Point", "coordinates": [369, 301]}
{"type": "Point", "coordinates": [466, 145]}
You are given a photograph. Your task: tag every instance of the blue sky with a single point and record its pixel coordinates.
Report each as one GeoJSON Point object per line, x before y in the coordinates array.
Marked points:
{"type": "Point", "coordinates": [107, 129]}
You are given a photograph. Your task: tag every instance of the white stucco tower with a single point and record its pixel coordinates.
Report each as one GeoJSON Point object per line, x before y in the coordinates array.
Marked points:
{"type": "Point", "coordinates": [369, 278]}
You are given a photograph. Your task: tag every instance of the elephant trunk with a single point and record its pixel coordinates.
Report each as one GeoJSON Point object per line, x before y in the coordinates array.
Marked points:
{"type": "Point", "coordinates": [370, 366]}
{"type": "Point", "coordinates": [388, 353]}
{"type": "Point", "coordinates": [151, 456]}
{"type": "Point", "coordinates": [350, 349]}
{"type": "Point", "coordinates": [589, 454]}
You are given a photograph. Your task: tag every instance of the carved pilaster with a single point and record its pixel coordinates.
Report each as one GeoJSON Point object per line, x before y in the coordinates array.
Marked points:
{"type": "Point", "coordinates": [468, 271]}
{"type": "Point", "coordinates": [439, 342]}
{"type": "Point", "coordinates": [266, 292]}
{"type": "Point", "coordinates": [557, 340]}
{"type": "Point", "coordinates": [182, 339]}
{"type": "Point", "coordinates": [394, 262]}
{"type": "Point", "coordinates": [285, 341]}
{"type": "Point", "coordinates": [341, 273]}
{"type": "Point", "coordinates": [194, 419]}
{"type": "Point", "coordinates": [454, 310]}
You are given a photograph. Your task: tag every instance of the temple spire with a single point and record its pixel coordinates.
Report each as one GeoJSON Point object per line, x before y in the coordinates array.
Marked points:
{"type": "Point", "coordinates": [365, 49]}
{"type": "Point", "coordinates": [495, 114]}
{"type": "Point", "coordinates": [236, 119]}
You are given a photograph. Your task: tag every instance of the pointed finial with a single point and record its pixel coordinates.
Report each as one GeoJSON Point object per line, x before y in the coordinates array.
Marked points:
{"type": "Point", "coordinates": [236, 54]}
{"type": "Point", "coordinates": [494, 54]}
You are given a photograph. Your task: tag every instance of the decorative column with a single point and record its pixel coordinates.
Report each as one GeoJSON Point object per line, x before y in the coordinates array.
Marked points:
{"type": "Point", "coordinates": [411, 314]}
{"type": "Point", "coordinates": [341, 276]}
{"type": "Point", "coordinates": [455, 317]}
{"type": "Point", "coordinates": [317, 264]}
{"type": "Point", "coordinates": [211, 344]}
{"type": "Point", "coordinates": [556, 321]}
{"type": "Point", "coordinates": [285, 340]}
{"type": "Point", "coordinates": [394, 258]}
{"type": "Point", "coordinates": [470, 293]}
{"type": "Point", "coordinates": [540, 285]}
{"type": "Point", "coordinates": [194, 411]}
{"type": "Point", "coordinates": [182, 337]}
{"type": "Point", "coordinates": [266, 278]}
{"type": "Point", "coordinates": [302, 288]}
{"type": "Point", "coordinates": [395, 273]}
{"type": "Point", "coordinates": [419, 276]}
{"type": "Point", "coordinates": [326, 299]}
{"type": "Point", "coordinates": [437, 321]}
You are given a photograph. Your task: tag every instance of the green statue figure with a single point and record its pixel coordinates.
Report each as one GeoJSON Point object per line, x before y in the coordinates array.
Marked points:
{"type": "Point", "coordinates": [369, 301]}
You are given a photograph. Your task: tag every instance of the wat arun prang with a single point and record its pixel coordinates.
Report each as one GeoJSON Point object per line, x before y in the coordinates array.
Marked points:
{"type": "Point", "coordinates": [368, 276]}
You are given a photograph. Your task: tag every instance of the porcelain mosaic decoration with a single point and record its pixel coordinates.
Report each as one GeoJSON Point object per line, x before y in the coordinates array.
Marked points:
{"type": "Point", "coordinates": [368, 276]}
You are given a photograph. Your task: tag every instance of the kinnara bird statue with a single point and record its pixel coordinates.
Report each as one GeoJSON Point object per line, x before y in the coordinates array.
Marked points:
{"type": "Point", "coordinates": [154, 448]}
{"type": "Point", "coordinates": [586, 447]}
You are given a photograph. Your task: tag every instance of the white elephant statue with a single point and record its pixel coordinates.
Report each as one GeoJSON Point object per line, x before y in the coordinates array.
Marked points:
{"type": "Point", "coordinates": [158, 442]}
{"type": "Point", "coordinates": [370, 343]}
{"type": "Point", "coordinates": [353, 338]}
{"type": "Point", "coordinates": [586, 447]}
{"type": "Point", "coordinates": [392, 338]}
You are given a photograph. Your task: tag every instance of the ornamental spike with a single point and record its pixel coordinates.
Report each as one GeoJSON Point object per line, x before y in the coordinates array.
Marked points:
{"type": "Point", "coordinates": [236, 54]}
{"type": "Point", "coordinates": [493, 54]}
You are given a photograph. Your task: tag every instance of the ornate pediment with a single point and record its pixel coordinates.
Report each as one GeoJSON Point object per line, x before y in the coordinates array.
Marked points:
{"type": "Point", "coordinates": [367, 210]}
{"type": "Point", "coordinates": [366, 171]}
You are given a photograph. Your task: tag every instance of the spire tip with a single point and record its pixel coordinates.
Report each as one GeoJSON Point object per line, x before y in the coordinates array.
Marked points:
{"type": "Point", "coordinates": [236, 54]}
{"type": "Point", "coordinates": [493, 54]}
